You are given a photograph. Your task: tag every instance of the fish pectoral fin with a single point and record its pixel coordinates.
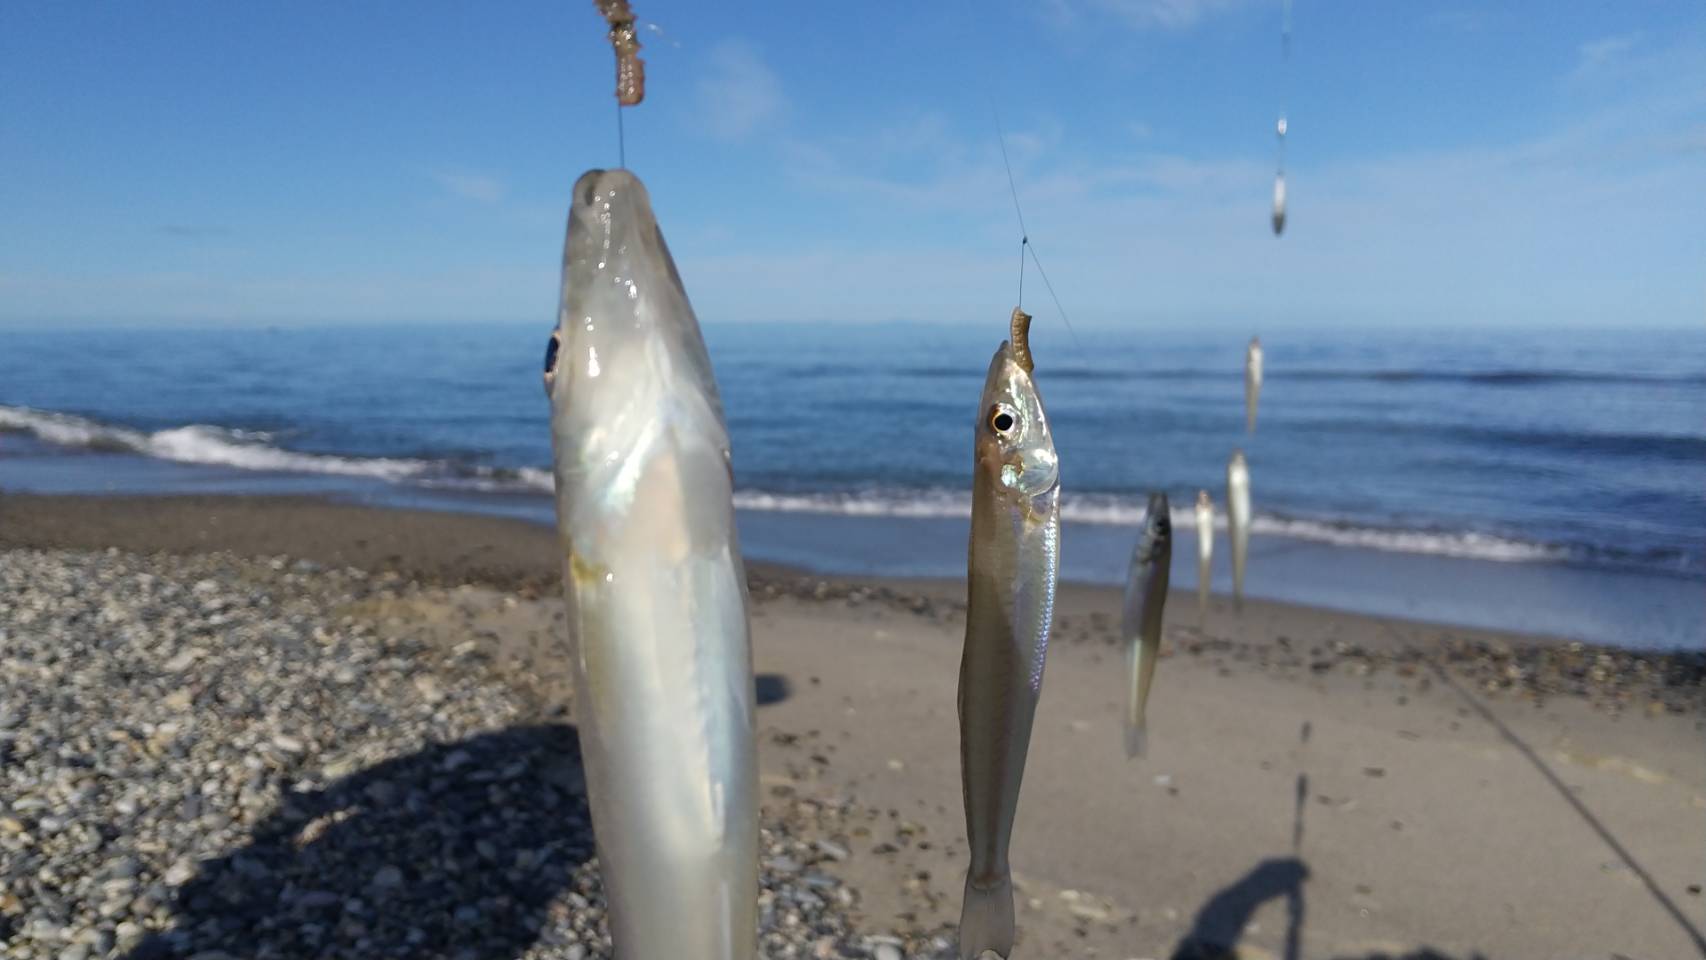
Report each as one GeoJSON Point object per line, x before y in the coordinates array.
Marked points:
{"type": "Point", "coordinates": [585, 572]}
{"type": "Point", "coordinates": [986, 920]}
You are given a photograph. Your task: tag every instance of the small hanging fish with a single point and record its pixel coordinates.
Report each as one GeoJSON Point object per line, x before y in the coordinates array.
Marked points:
{"type": "Point", "coordinates": [1252, 382]}
{"type": "Point", "coordinates": [1279, 204]}
{"type": "Point", "coordinates": [1205, 554]}
{"type": "Point", "coordinates": [1140, 624]}
{"type": "Point", "coordinates": [1238, 521]}
{"type": "Point", "coordinates": [1013, 562]}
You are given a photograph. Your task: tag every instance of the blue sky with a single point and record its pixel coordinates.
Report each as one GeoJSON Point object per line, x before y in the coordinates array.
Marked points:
{"type": "Point", "coordinates": [1522, 163]}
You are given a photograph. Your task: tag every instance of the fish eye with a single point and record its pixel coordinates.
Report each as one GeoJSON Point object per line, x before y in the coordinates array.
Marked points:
{"type": "Point", "coordinates": [551, 349]}
{"type": "Point", "coordinates": [1001, 420]}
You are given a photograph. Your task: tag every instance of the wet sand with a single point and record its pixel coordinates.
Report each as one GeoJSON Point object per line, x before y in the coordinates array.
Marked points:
{"type": "Point", "coordinates": [1318, 785]}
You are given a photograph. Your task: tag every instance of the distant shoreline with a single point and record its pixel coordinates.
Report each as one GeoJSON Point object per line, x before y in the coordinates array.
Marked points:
{"type": "Point", "coordinates": [1540, 602]}
{"type": "Point", "coordinates": [519, 556]}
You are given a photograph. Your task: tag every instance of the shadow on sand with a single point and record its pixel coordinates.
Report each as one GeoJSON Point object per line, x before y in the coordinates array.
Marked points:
{"type": "Point", "coordinates": [456, 850]}
{"type": "Point", "coordinates": [1221, 922]}
{"type": "Point", "coordinates": [773, 688]}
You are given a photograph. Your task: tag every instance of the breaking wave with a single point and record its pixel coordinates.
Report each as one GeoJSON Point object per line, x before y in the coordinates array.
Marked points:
{"type": "Point", "coordinates": [251, 450]}
{"type": "Point", "coordinates": [1117, 510]}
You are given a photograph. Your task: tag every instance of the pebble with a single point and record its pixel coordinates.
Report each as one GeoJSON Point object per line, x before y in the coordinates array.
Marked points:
{"type": "Point", "coordinates": [208, 758]}
{"type": "Point", "coordinates": [387, 877]}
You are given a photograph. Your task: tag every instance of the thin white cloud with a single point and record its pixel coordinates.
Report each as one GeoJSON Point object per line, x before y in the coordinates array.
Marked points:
{"type": "Point", "coordinates": [1461, 20]}
{"type": "Point", "coordinates": [216, 296]}
{"type": "Point", "coordinates": [471, 186]}
{"type": "Point", "coordinates": [1528, 229]}
{"type": "Point", "coordinates": [1606, 50]}
{"type": "Point", "coordinates": [737, 92]}
{"type": "Point", "coordinates": [924, 164]}
{"type": "Point", "coordinates": [192, 231]}
{"type": "Point", "coordinates": [1144, 14]}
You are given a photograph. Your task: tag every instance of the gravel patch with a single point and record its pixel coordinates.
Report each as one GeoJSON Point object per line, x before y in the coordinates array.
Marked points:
{"type": "Point", "coordinates": [1610, 679]}
{"type": "Point", "coordinates": [202, 757]}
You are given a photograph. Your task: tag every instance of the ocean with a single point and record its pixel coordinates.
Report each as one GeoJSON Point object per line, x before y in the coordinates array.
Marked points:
{"type": "Point", "coordinates": [1536, 480]}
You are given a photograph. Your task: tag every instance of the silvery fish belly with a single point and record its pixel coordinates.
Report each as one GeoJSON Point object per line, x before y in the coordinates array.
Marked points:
{"type": "Point", "coordinates": [1238, 520]}
{"type": "Point", "coordinates": [1252, 382]}
{"type": "Point", "coordinates": [1141, 616]}
{"type": "Point", "coordinates": [1013, 562]}
{"type": "Point", "coordinates": [1205, 553]}
{"type": "Point", "coordinates": [655, 591]}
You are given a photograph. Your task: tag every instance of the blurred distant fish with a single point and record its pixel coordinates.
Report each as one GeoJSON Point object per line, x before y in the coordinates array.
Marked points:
{"type": "Point", "coordinates": [655, 591]}
{"type": "Point", "coordinates": [1279, 203]}
{"type": "Point", "coordinates": [1205, 553]}
{"type": "Point", "coordinates": [1252, 382]}
{"type": "Point", "coordinates": [1013, 562]}
{"type": "Point", "coordinates": [1238, 520]}
{"type": "Point", "coordinates": [1140, 624]}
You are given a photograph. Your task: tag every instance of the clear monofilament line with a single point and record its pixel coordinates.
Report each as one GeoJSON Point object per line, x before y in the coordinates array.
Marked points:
{"type": "Point", "coordinates": [1025, 234]}
{"type": "Point", "coordinates": [1013, 189]}
{"type": "Point", "coordinates": [1284, 83]}
{"type": "Point", "coordinates": [1058, 308]}
{"type": "Point", "coordinates": [1023, 243]}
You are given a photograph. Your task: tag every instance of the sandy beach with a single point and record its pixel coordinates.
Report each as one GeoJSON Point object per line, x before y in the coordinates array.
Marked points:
{"type": "Point", "coordinates": [1319, 784]}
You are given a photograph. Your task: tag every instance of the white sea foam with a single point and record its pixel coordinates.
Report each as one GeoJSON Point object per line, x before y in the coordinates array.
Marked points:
{"type": "Point", "coordinates": [1123, 511]}
{"type": "Point", "coordinates": [70, 431]}
{"type": "Point", "coordinates": [200, 443]}
{"type": "Point", "coordinates": [247, 450]}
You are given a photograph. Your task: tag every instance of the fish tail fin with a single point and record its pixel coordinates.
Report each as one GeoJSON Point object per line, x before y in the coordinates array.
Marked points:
{"type": "Point", "coordinates": [986, 920]}
{"type": "Point", "coordinates": [1136, 740]}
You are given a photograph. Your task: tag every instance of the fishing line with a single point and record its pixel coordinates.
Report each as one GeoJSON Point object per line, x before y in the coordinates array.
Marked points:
{"type": "Point", "coordinates": [1012, 188]}
{"type": "Point", "coordinates": [621, 141]}
{"type": "Point", "coordinates": [1285, 79]}
{"type": "Point", "coordinates": [1050, 287]}
{"type": "Point", "coordinates": [1025, 235]}
{"type": "Point", "coordinates": [1023, 245]}
{"type": "Point", "coordinates": [630, 69]}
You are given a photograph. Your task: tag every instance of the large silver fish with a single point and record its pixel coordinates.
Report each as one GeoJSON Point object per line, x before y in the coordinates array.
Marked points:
{"type": "Point", "coordinates": [1013, 560]}
{"type": "Point", "coordinates": [655, 590]}
{"type": "Point", "coordinates": [1238, 520]}
{"type": "Point", "coordinates": [1205, 553]}
{"type": "Point", "coordinates": [1252, 382]}
{"type": "Point", "coordinates": [1140, 624]}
